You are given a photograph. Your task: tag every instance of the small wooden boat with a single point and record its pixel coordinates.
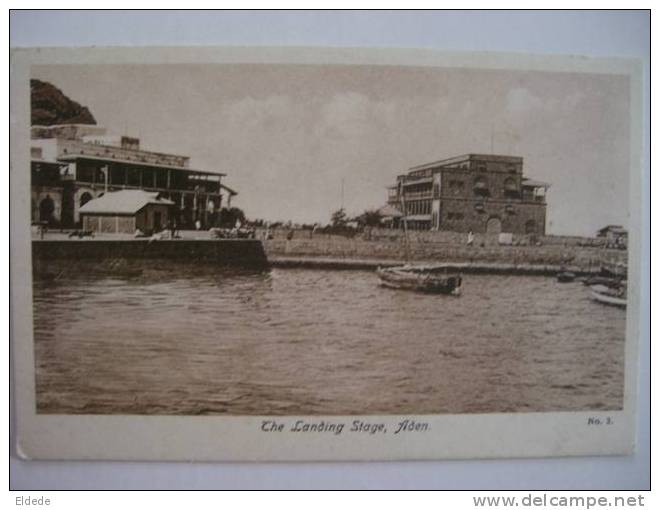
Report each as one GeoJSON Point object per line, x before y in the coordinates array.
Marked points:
{"type": "Point", "coordinates": [434, 279]}
{"type": "Point", "coordinates": [614, 296]}
{"type": "Point", "coordinates": [420, 279]}
{"type": "Point", "coordinates": [608, 281]}
{"type": "Point", "coordinates": [565, 276]}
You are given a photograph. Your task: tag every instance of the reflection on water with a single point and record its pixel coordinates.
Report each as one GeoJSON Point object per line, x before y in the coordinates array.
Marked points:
{"type": "Point", "coordinates": [170, 339]}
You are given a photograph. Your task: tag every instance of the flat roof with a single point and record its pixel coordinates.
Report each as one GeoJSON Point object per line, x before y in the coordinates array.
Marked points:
{"type": "Point", "coordinates": [73, 157]}
{"type": "Point", "coordinates": [466, 157]}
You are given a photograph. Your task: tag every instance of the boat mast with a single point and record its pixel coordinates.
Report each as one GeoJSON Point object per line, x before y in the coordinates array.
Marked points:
{"type": "Point", "coordinates": [405, 225]}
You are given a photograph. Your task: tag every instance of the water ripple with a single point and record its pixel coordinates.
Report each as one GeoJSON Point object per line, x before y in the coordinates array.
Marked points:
{"type": "Point", "coordinates": [202, 340]}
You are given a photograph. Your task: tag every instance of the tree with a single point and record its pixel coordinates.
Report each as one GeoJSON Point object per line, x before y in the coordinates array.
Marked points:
{"type": "Point", "coordinates": [370, 218]}
{"type": "Point", "coordinates": [339, 218]}
{"type": "Point", "coordinates": [238, 214]}
{"type": "Point", "coordinates": [229, 217]}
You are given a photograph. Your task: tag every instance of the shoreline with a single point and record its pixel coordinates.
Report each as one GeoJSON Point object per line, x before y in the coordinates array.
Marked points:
{"type": "Point", "coordinates": [318, 254]}
{"type": "Point", "coordinates": [332, 263]}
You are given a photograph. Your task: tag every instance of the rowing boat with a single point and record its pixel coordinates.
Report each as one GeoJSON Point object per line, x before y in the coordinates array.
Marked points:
{"type": "Point", "coordinates": [614, 296]}
{"type": "Point", "coordinates": [420, 279]}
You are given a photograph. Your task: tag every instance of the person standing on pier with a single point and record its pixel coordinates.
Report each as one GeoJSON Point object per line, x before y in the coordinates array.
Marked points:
{"type": "Point", "coordinates": [172, 228]}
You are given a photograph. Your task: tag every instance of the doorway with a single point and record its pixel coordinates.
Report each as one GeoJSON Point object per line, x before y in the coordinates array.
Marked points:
{"type": "Point", "coordinates": [46, 209]}
{"type": "Point", "coordinates": [157, 222]}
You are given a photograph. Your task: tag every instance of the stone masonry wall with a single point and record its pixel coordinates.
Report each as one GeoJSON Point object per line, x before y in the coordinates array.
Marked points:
{"type": "Point", "coordinates": [444, 247]}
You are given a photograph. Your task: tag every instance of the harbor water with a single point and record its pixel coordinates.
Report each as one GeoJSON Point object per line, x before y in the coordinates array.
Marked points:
{"type": "Point", "coordinates": [174, 339]}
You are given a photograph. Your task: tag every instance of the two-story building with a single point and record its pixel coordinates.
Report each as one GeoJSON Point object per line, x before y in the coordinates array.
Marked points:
{"type": "Point", "coordinates": [73, 163]}
{"type": "Point", "coordinates": [482, 193]}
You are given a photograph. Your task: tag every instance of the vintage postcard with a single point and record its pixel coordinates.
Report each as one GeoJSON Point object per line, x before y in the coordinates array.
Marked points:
{"type": "Point", "coordinates": [323, 254]}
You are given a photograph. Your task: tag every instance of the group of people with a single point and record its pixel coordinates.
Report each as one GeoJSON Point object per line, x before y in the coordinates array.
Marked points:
{"type": "Point", "coordinates": [170, 232]}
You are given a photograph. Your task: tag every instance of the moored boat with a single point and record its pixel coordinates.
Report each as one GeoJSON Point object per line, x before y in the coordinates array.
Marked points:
{"type": "Point", "coordinates": [430, 279]}
{"type": "Point", "coordinates": [614, 296]}
{"type": "Point", "coordinates": [565, 276]}
{"type": "Point", "coordinates": [607, 281]}
{"type": "Point", "coordinates": [421, 279]}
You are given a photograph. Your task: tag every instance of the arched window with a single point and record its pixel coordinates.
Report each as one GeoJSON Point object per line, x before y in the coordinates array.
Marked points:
{"type": "Point", "coordinates": [481, 186]}
{"type": "Point", "coordinates": [85, 197]}
{"type": "Point", "coordinates": [46, 209]}
{"type": "Point", "coordinates": [511, 188]}
{"type": "Point", "coordinates": [493, 225]}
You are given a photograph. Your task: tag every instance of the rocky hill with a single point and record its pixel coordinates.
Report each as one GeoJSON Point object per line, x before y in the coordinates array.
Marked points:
{"type": "Point", "coordinates": [50, 106]}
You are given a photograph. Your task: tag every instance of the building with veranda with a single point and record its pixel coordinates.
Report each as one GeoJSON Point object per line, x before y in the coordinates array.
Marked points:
{"type": "Point", "coordinates": [482, 193]}
{"type": "Point", "coordinates": [73, 163]}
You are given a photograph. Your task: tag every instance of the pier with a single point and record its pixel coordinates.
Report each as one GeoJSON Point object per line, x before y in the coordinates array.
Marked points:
{"type": "Point", "coordinates": [233, 252]}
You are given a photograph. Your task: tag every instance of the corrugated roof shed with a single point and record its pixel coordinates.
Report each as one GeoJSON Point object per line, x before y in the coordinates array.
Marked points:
{"type": "Point", "coordinates": [128, 201]}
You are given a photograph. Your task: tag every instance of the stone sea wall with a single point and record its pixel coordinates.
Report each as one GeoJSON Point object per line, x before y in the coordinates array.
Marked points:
{"type": "Point", "coordinates": [236, 252]}
{"type": "Point", "coordinates": [583, 253]}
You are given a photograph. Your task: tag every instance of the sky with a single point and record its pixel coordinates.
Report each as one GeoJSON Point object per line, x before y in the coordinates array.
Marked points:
{"type": "Point", "coordinates": [287, 136]}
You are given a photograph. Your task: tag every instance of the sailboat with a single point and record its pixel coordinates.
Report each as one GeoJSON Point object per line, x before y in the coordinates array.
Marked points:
{"type": "Point", "coordinates": [430, 279]}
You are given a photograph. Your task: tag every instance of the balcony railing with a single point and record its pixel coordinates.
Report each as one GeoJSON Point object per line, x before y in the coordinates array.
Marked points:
{"type": "Point", "coordinates": [419, 195]}
{"type": "Point", "coordinates": [77, 148]}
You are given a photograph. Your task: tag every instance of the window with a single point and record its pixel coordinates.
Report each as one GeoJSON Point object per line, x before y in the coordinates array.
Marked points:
{"type": "Point", "coordinates": [481, 187]}
{"type": "Point", "coordinates": [148, 178]}
{"type": "Point", "coordinates": [117, 175]}
{"type": "Point", "coordinates": [133, 177]}
{"type": "Point", "coordinates": [161, 178]}
{"type": "Point", "coordinates": [85, 173]}
{"type": "Point", "coordinates": [456, 186]}
{"type": "Point", "coordinates": [511, 188]}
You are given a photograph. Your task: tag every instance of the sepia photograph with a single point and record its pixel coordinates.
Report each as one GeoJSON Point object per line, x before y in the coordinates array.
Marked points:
{"type": "Point", "coordinates": [307, 243]}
